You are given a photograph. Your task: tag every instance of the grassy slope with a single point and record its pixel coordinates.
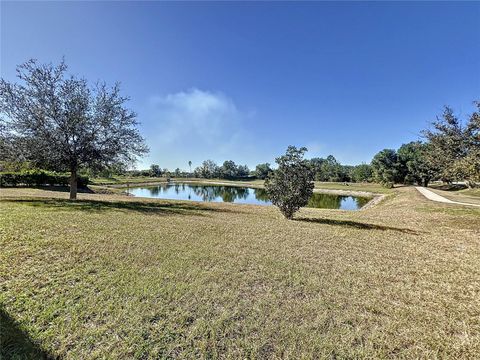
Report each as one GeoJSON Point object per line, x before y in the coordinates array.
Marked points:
{"type": "Point", "coordinates": [117, 277]}
{"type": "Point", "coordinates": [466, 196]}
{"type": "Point", "coordinates": [459, 194]}
{"type": "Point", "coordinates": [471, 192]}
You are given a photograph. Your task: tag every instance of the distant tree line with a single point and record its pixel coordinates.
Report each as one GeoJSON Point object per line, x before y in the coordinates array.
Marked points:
{"type": "Point", "coordinates": [207, 170]}
{"type": "Point", "coordinates": [330, 170]}
{"type": "Point", "coordinates": [228, 170]}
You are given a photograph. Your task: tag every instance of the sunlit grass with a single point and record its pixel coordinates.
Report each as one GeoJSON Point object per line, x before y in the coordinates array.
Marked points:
{"type": "Point", "coordinates": [114, 277]}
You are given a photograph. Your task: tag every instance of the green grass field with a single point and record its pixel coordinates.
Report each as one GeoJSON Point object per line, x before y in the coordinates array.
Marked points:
{"type": "Point", "coordinates": [110, 276]}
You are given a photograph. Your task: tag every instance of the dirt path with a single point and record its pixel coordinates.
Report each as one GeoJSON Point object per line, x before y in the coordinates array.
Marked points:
{"type": "Point", "coordinates": [430, 195]}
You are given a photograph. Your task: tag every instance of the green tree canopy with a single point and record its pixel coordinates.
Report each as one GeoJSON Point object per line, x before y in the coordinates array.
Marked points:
{"type": "Point", "coordinates": [155, 170]}
{"type": "Point", "coordinates": [59, 122]}
{"type": "Point", "coordinates": [262, 170]}
{"type": "Point", "coordinates": [362, 173]}
{"type": "Point", "coordinates": [415, 168]}
{"type": "Point", "coordinates": [454, 147]}
{"type": "Point", "coordinates": [290, 186]}
{"type": "Point", "coordinates": [385, 167]}
{"type": "Point", "coordinates": [208, 170]}
{"type": "Point", "coordinates": [448, 144]}
{"type": "Point", "coordinates": [329, 169]}
{"type": "Point", "coordinates": [229, 169]}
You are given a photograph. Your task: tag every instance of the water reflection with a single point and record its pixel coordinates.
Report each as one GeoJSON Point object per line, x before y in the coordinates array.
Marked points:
{"type": "Point", "coordinates": [330, 201]}
{"type": "Point", "coordinates": [244, 195]}
{"type": "Point", "coordinates": [261, 194]}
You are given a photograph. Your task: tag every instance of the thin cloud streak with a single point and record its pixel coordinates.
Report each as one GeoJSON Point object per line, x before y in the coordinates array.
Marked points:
{"type": "Point", "coordinates": [195, 125]}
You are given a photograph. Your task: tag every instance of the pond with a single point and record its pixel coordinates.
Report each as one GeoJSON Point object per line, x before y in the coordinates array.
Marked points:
{"type": "Point", "coordinates": [240, 195]}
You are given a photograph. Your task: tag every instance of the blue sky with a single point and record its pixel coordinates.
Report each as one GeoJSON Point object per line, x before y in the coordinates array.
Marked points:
{"type": "Point", "coordinates": [242, 81]}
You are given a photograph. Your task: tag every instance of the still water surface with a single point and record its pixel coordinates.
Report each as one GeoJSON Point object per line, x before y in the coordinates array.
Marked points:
{"type": "Point", "coordinates": [240, 195]}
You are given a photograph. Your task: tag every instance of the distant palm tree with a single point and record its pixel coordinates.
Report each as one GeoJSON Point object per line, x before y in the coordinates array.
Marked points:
{"type": "Point", "coordinates": [190, 165]}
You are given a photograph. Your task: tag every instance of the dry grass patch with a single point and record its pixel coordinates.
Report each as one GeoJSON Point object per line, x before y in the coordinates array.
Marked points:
{"type": "Point", "coordinates": [114, 277]}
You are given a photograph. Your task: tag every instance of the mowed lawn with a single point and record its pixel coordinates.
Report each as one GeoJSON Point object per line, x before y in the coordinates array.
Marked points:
{"type": "Point", "coordinates": [116, 277]}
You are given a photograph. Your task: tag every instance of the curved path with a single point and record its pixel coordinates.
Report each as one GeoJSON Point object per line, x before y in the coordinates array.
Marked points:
{"type": "Point", "coordinates": [430, 195]}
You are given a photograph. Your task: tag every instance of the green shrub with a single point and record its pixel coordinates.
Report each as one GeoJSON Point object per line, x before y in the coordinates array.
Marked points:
{"type": "Point", "coordinates": [290, 186]}
{"type": "Point", "coordinates": [38, 178]}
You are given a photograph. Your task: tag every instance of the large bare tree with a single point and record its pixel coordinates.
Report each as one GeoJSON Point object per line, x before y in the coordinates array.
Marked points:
{"type": "Point", "coordinates": [59, 122]}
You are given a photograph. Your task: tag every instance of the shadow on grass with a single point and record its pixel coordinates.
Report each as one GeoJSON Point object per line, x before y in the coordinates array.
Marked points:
{"type": "Point", "coordinates": [358, 225]}
{"type": "Point", "coordinates": [145, 207]}
{"type": "Point", "coordinates": [15, 343]}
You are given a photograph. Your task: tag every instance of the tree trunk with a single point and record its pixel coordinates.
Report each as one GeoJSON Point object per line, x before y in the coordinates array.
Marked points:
{"type": "Point", "coordinates": [73, 184]}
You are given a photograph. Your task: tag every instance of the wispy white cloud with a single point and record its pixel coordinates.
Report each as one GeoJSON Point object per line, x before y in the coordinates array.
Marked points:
{"type": "Point", "coordinates": [198, 113]}
{"type": "Point", "coordinates": [195, 125]}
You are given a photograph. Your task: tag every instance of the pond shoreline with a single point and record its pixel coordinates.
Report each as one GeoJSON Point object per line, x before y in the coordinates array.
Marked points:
{"type": "Point", "coordinates": [361, 199]}
{"type": "Point", "coordinates": [374, 197]}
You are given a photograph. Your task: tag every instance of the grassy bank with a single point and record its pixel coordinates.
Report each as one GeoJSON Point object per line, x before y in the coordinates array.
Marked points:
{"type": "Point", "coordinates": [367, 187]}
{"type": "Point", "coordinates": [469, 196]}
{"type": "Point", "coordinates": [124, 180]}
{"type": "Point", "coordinates": [458, 193]}
{"type": "Point", "coordinates": [115, 277]}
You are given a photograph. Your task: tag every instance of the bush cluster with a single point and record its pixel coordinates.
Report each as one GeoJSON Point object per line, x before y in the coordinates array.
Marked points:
{"type": "Point", "coordinates": [38, 178]}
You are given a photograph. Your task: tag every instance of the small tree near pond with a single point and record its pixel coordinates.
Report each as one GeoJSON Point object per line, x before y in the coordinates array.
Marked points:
{"type": "Point", "coordinates": [290, 186]}
{"type": "Point", "coordinates": [60, 123]}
